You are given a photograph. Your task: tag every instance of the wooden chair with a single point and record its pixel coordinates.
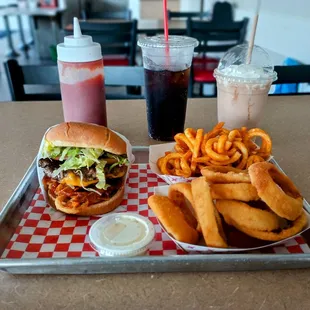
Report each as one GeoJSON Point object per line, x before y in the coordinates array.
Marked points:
{"type": "Point", "coordinates": [126, 15]}
{"type": "Point", "coordinates": [225, 35]}
{"type": "Point", "coordinates": [45, 78]}
{"type": "Point", "coordinates": [172, 15]}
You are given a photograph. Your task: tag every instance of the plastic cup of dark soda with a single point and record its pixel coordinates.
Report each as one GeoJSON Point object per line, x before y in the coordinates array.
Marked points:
{"type": "Point", "coordinates": [167, 71]}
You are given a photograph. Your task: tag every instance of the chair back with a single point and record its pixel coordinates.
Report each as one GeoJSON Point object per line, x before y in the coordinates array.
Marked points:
{"type": "Point", "coordinates": [21, 77]}
{"type": "Point", "coordinates": [115, 38]}
{"type": "Point", "coordinates": [172, 14]}
{"type": "Point", "coordinates": [225, 35]}
{"type": "Point", "coordinates": [292, 74]}
{"type": "Point", "coordinates": [126, 15]}
{"type": "Point", "coordinates": [222, 13]}
{"type": "Point", "coordinates": [42, 80]}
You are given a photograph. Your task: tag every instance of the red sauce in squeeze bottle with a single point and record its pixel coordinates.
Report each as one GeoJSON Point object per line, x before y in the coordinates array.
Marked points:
{"type": "Point", "coordinates": [80, 67]}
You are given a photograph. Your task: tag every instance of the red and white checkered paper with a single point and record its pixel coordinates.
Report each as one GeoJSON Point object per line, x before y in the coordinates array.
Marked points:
{"type": "Point", "coordinates": [42, 235]}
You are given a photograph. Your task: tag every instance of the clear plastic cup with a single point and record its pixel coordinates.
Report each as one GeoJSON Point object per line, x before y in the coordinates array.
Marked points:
{"type": "Point", "coordinates": [242, 89]}
{"type": "Point", "coordinates": [167, 70]}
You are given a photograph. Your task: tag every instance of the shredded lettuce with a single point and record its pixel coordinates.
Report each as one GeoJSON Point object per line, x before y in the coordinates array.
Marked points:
{"type": "Point", "coordinates": [121, 160]}
{"type": "Point", "coordinates": [51, 151]}
{"type": "Point", "coordinates": [101, 175]}
{"type": "Point", "coordinates": [76, 158]}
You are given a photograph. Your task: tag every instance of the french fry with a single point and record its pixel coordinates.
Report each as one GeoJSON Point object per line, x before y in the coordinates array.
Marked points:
{"type": "Point", "coordinates": [197, 145]}
{"type": "Point", "coordinates": [196, 149]}
{"type": "Point", "coordinates": [207, 215]}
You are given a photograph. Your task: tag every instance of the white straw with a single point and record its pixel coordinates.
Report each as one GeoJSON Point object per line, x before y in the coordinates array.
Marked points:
{"type": "Point", "coordinates": [252, 38]}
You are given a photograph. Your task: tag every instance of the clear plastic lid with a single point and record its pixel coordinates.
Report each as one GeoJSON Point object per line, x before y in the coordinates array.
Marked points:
{"type": "Point", "coordinates": [122, 234]}
{"type": "Point", "coordinates": [233, 65]}
{"type": "Point", "coordinates": [177, 57]}
{"type": "Point", "coordinates": [173, 42]}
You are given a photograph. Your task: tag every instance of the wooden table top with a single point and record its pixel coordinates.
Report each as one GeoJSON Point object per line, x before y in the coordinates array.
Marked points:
{"type": "Point", "coordinates": [22, 126]}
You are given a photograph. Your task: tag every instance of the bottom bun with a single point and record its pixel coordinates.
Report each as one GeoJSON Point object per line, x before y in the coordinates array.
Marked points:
{"type": "Point", "coordinates": [95, 209]}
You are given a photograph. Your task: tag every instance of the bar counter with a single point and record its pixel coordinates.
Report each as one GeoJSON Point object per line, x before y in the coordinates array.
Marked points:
{"type": "Point", "coordinates": [22, 127]}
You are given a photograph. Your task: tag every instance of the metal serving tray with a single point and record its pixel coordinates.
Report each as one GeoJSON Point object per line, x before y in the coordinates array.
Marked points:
{"type": "Point", "coordinates": [13, 211]}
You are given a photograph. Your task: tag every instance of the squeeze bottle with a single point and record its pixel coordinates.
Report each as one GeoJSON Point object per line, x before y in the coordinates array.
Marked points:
{"type": "Point", "coordinates": [80, 66]}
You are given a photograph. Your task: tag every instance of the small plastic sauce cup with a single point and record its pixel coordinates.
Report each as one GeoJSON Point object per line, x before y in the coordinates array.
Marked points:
{"type": "Point", "coordinates": [122, 235]}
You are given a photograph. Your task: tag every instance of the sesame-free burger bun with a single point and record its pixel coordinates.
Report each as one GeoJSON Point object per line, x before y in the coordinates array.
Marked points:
{"type": "Point", "coordinates": [95, 209]}
{"type": "Point", "coordinates": [86, 135]}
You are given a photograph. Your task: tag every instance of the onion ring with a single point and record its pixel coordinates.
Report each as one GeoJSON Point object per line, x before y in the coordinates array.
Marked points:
{"type": "Point", "coordinates": [276, 190]}
{"type": "Point", "coordinates": [241, 214]}
{"type": "Point", "coordinates": [297, 227]}
{"type": "Point", "coordinates": [234, 191]}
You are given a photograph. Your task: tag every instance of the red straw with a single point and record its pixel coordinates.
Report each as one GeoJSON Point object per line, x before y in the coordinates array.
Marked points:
{"type": "Point", "coordinates": [166, 30]}
{"type": "Point", "coordinates": [165, 19]}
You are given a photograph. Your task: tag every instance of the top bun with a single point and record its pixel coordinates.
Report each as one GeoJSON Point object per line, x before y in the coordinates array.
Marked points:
{"type": "Point", "coordinates": [87, 136]}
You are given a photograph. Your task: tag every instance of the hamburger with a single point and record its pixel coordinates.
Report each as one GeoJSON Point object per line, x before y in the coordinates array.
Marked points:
{"type": "Point", "coordinates": [85, 168]}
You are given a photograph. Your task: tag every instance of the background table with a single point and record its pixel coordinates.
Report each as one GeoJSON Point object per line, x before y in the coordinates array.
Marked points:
{"type": "Point", "coordinates": [21, 128]}
{"type": "Point", "coordinates": [36, 16]}
{"type": "Point", "coordinates": [147, 26]}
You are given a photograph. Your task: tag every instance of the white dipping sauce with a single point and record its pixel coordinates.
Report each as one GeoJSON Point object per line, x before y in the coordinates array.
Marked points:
{"type": "Point", "coordinates": [124, 231]}
{"type": "Point", "coordinates": [122, 234]}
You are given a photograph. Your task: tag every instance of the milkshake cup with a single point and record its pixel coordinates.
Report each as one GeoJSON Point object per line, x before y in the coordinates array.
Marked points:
{"type": "Point", "coordinates": [242, 89]}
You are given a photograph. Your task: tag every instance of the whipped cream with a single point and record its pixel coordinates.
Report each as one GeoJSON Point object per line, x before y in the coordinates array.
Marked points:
{"type": "Point", "coordinates": [245, 71]}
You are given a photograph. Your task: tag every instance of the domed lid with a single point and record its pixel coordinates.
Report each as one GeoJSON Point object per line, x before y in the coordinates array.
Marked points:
{"type": "Point", "coordinates": [122, 234]}
{"type": "Point", "coordinates": [233, 65]}
{"type": "Point", "coordinates": [173, 42]}
{"type": "Point", "coordinates": [78, 47]}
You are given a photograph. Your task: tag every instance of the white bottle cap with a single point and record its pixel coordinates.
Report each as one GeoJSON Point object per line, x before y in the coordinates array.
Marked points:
{"type": "Point", "coordinates": [78, 48]}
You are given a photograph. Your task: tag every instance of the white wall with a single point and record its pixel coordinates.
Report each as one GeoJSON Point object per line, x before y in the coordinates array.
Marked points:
{"type": "Point", "coordinates": [189, 5]}
{"type": "Point", "coordinates": [283, 27]}
{"type": "Point", "coordinates": [134, 6]}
